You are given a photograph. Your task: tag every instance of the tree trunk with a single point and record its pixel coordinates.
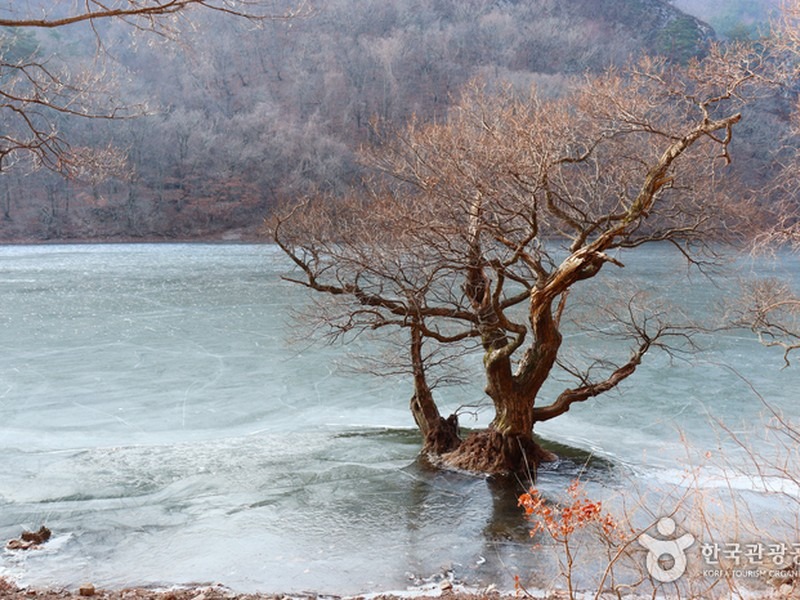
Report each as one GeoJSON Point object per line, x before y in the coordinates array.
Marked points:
{"type": "Point", "coordinates": [508, 446]}
{"type": "Point", "coordinates": [440, 434]}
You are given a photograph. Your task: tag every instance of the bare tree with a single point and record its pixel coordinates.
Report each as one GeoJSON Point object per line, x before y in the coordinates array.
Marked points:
{"type": "Point", "coordinates": [477, 229]}
{"type": "Point", "coordinates": [36, 93]}
{"type": "Point", "coordinates": [771, 307]}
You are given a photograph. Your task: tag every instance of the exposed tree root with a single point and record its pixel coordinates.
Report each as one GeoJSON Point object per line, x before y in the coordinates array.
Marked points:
{"type": "Point", "coordinates": [442, 437]}
{"type": "Point", "coordinates": [491, 452]}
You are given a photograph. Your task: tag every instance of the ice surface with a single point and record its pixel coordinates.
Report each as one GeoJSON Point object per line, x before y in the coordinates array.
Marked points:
{"type": "Point", "coordinates": [153, 415]}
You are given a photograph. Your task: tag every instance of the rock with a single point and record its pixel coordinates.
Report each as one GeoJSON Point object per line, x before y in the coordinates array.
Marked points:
{"type": "Point", "coordinates": [30, 539]}
{"type": "Point", "coordinates": [86, 590]}
{"type": "Point", "coordinates": [445, 585]}
{"type": "Point", "coordinates": [37, 537]}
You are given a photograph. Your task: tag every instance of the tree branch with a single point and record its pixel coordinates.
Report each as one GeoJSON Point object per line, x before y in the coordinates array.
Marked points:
{"type": "Point", "coordinates": [149, 9]}
{"type": "Point", "coordinates": [570, 396]}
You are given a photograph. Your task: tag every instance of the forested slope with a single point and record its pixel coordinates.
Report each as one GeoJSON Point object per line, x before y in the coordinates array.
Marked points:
{"type": "Point", "coordinates": [733, 19]}
{"type": "Point", "coordinates": [240, 116]}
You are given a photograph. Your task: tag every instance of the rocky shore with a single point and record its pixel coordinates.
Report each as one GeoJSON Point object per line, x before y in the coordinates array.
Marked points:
{"type": "Point", "coordinates": [9, 591]}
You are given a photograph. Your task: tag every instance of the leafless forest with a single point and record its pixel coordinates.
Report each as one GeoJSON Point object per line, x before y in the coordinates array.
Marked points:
{"type": "Point", "coordinates": [240, 116]}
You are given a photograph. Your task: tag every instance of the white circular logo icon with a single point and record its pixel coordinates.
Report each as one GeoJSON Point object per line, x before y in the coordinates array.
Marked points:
{"type": "Point", "coordinates": [666, 558]}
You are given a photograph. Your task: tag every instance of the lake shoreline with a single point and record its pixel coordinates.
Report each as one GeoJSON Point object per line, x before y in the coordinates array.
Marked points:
{"type": "Point", "coordinates": [10, 591]}
{"type": "Point", "coordinates": [238, 236]}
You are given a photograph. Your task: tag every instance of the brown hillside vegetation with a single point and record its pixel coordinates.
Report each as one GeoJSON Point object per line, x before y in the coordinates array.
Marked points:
{"type": "Point", "coordinates": [249, 116]}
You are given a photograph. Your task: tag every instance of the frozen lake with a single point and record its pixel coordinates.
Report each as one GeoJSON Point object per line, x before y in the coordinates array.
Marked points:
{"type": "Point", "coordinates": [158, 415]}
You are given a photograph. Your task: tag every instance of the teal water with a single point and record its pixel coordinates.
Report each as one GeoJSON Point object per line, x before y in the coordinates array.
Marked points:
{"type": "Point", "coordinates": [160, 414]}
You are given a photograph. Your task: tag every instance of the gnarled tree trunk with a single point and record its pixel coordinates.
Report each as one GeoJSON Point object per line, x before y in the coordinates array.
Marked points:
{"type": "Point", "coordinates": [508, 444]}
{"type": "Point", "coordinates": [440, 434]}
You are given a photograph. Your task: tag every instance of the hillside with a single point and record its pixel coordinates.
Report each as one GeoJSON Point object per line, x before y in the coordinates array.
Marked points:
{"type": "Point", "coordinates": [247, 116]}
{"type": "Point", "coordinates": [732, 18]}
